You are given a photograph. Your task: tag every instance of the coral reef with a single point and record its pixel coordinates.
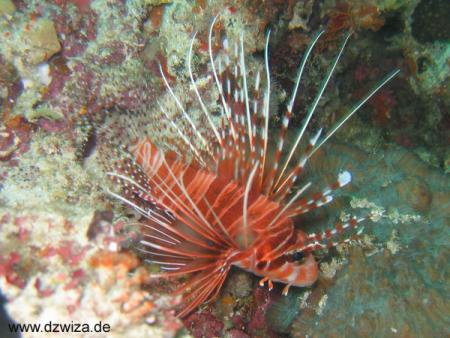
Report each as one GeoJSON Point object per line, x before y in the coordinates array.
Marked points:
{"type": "Point", "coordinates": [66, 249]}
{"type": "Point", "coordinates": [60, 256]}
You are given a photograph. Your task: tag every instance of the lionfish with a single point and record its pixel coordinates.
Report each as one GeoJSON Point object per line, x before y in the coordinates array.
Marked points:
{"type": "Point", "coordinates": [231, 203]}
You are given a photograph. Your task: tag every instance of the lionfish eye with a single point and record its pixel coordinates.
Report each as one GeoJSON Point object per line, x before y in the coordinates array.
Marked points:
{"type": "Point", "coordinates": [298, 256]}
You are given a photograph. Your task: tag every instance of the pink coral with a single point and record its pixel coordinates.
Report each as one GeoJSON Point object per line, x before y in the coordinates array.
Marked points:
{"type": "Point", "coordinates": [204, 324]}
{"type": "Point", "coordinates": [67, 250]}
{"type": "Point", "coordinates": [8, 269]}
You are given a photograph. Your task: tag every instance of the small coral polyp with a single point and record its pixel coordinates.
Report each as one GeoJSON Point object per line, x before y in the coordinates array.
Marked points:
{"type": "Point", "coordinates": [229, 202]}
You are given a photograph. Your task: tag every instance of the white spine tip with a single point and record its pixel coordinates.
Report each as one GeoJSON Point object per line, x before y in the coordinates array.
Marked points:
{"type": "Point", "coordinates": [257, 81]}
{"type": "Point", "coordinates": [344, 178]}
{"type": "Point", "coordinates": [316, 137]}
{"type": "Point", "coordinates": [289, 106]}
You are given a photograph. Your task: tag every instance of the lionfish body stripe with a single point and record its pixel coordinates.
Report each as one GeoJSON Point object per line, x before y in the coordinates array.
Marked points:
{"type": "Point", "coordinates": [231, 205]}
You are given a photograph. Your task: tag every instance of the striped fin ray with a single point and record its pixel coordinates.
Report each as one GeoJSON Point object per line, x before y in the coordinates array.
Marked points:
{"type": "Point", "coordinates": [318, 199]}
{"type": "Point", "coordinates": [176, 234]}
{"type": "Point", "coordinates": [161, 217]}
{"type": "Point", "coordinates": [326, 239]}
{"type": "Point", "coordinates": [203, 287]}
{"type": "Point", "coordinates": [242, 105]}
{"type": "Point", "coordinates": [272, 172]}
{"type": "Point", "coordinates": [164, 184]}
{"type": "Point", "coordinates": [312, 109]}
{"type": "Point", "coordinates": [249, 115]}
{"type": "Point", "coordinates": [170, 191]}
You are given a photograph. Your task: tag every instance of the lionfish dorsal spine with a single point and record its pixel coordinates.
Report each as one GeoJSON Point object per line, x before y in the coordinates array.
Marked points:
{"type": "Point", "coordinates": [199, 97]}
{"type": "Point", "coordinates": [312, 109]}
{"type": "Point", "coordinates": [355, 108]}
{"type": "Point", "coordinates": [284, 187]}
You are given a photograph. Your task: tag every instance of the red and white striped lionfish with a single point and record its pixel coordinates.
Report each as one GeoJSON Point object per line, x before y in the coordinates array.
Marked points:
{"type": "Point", "coordinates": [232, 204]}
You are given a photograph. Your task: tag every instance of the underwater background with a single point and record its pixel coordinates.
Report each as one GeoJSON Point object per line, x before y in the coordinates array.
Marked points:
{"type": "Point", "coordinates": [68, 68]}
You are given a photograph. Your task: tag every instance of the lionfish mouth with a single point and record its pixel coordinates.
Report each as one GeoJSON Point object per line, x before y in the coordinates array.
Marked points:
{"type": "Point", "coordinates": [230, 204]}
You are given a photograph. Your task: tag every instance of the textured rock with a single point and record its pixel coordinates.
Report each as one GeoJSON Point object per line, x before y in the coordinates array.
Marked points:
{"type": "Point", "coordinates": [42, 41]}
{"type": "Point", "coordinates": [430, 21]}
{"type": "Point", "coordinates": [7, 7]}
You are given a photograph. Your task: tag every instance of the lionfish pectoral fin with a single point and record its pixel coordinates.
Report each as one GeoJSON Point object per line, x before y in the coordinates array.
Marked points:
{"type": "Point", "coordinates": [263, 280]}
{"type": "Point", "coordinates": [324, 239]}
{"type": "Point", "coordinates": [202, 287]}
{"type": "Point", "coordinates": [269, 283]}
{"type": "Point", "coordinates": [286, 289]}
{"type": "Point", "coordinates": [298, 207]}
